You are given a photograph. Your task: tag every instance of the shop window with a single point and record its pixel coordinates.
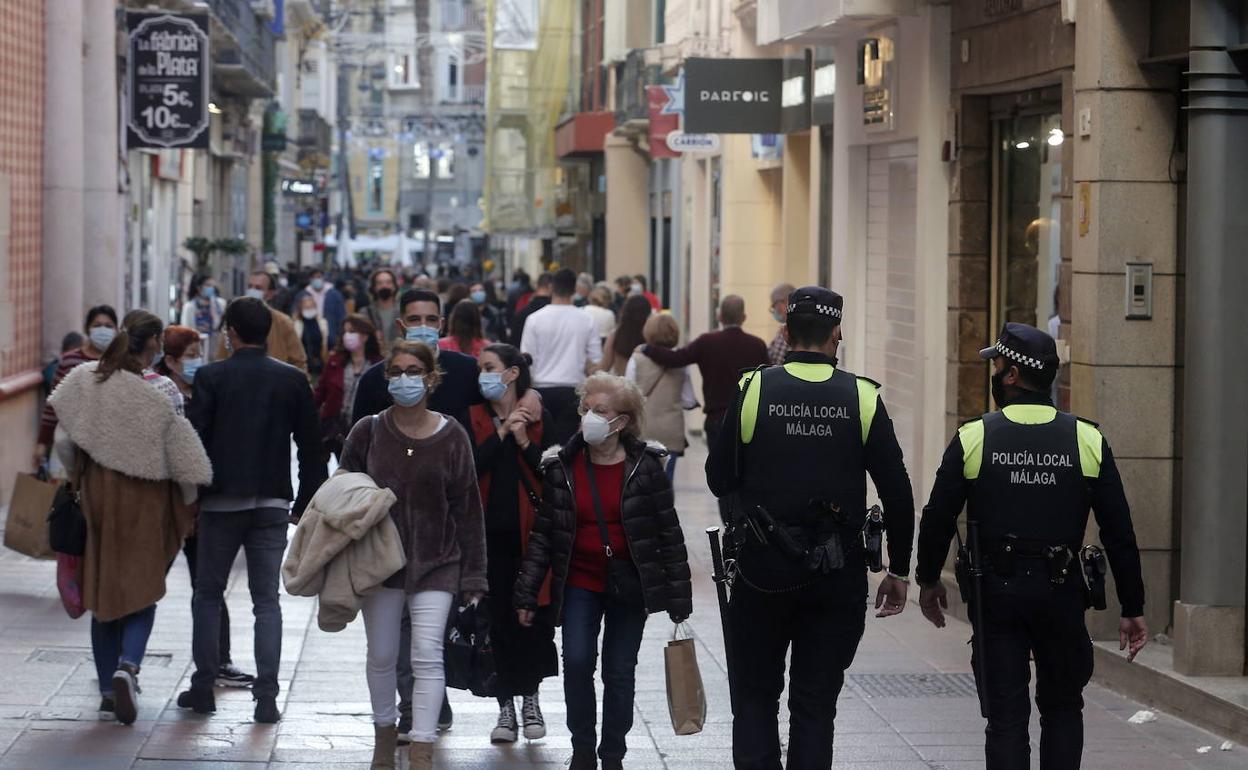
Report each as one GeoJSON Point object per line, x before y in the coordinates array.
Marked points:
{"type": "Point", "coordinates": [1027, 250]}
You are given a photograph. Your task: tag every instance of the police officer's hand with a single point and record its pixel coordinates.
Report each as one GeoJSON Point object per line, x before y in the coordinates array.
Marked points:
{"type": "Point", "coordinates": [891, 598]}
{"type": "Point", "coordinates": [932, 602]}
{"type": "Point", "coordinates": [1133, 632]}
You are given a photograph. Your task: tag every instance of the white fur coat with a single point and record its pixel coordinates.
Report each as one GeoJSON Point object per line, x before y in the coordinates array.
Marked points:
{"type": "Point", "coordinates": [128, 426]}
{"type": "Point", "coordinates": [345, 546]}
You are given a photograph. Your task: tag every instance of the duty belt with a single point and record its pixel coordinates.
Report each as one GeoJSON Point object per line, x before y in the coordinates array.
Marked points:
{"type": "Point", "coordinates": [1059, 558]}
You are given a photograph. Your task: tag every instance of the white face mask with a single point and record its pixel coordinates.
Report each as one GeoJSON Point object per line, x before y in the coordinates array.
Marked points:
{"type": "Point", "coordinates": [596, 429]}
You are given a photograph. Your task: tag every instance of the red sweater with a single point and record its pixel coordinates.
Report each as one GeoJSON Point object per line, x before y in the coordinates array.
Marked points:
{"type": "Point", "coordinates": [589, 561]}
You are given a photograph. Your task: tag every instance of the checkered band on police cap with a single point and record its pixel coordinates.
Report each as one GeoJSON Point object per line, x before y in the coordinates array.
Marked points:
{"type": "Point", "coordinates": [1024, 345]}
{"type": "Point", "coordinates": [816, 300]}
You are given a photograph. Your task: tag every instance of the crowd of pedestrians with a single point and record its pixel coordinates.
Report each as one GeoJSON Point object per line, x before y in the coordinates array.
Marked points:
{"type": "Point", "coordinates": [522, 436]}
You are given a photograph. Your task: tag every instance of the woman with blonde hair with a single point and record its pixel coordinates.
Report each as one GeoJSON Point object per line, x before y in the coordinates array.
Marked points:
{"type": "Point", "coordinates": [426, 459]}
{"type": "Point", "coordinates": [137, 465]}
{"type": "Point", "coordinates": [668, 391]}
{"type": "Point", "coordinates": [609, 534]}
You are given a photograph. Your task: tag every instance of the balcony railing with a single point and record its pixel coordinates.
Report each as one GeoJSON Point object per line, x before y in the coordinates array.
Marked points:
{"type": "Point", "coordinates": [244, 63]}
{"type": "Point", "coordinates": [631, 105]}
{"type": "Point", "coordinates": [460, 16]}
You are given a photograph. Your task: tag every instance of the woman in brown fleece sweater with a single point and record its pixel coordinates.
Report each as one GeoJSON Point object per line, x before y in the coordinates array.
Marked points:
{"type": "Point", "coordinates": [426, 460]}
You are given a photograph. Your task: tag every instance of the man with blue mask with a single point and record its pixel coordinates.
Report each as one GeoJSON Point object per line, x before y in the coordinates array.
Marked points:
{"type": "Point", "coordinates": [492, 320]}
{"type": "Point", "coordinates": [421, 320]}
{"type": "Point", "coordinates": [330, 303]}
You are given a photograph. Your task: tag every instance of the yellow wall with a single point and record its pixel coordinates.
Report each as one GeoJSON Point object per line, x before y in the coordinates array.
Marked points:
{"type": "Point", "coordinates": [752, 244]}
{"type": "Point", "coordinates": [359, 166]}
{"type": "Point", "coordinates": [628, 216]}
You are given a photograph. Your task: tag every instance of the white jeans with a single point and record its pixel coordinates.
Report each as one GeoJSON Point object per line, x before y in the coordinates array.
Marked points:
{"type": "Point", "coordinates": [383, 611]}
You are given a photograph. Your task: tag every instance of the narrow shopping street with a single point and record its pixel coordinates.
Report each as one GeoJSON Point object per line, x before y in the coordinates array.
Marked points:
{"type": "Point", "coordinates": [907, 705]}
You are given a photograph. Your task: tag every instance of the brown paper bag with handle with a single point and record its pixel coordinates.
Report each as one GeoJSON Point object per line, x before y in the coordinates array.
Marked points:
{"type": "Point", "coordinates": [686, 698]}
{"type": "Point", "coordinates": [26, 530]}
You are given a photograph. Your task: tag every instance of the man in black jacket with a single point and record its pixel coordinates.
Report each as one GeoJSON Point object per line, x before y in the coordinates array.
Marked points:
{"type": "Point", "coordinates": [246, 409]}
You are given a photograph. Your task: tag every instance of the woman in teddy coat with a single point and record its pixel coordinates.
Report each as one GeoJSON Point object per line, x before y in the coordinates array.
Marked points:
{"type": "Point", "coordinates": [137, 464]}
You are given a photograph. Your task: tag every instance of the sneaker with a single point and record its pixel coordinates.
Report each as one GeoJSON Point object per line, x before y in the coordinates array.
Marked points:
{"type": "Point", "coordinates": [446, 717]}
{"type": "Point", "coordinates": [505, 730]}
{"type": "Point", "coordinates": [198, 701]}
{"type": "Point", "coordinates": [108, 709]}
{"type": "Point", "coordinates": [405, 729]}
{"type": "Point", "coordinates": [266, 711]}
{"type": "Point", "coordinates": [125, 693]}
{"type": "Point", "coordinates": [534, 722]}
{"type": "Point", "coordinates": [230, 675]}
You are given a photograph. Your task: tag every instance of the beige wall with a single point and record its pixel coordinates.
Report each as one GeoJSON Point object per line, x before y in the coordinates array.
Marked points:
{"type": "Point", "coordinates": [19, 424]}
{"type": "Point", "coordinates": [751, 242]}
{"type": "Point", "coordinates": [628, 217]}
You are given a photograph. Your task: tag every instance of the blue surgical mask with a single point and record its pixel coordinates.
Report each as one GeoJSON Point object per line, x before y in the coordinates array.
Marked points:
{"type": "Point", "coordinates": [318, 284]}
{"type": "Point", "coordinates": [425, 334]}
{"type": "Point", "coordinates": [407, 390]}
{"type": "Point", "coordinates": [208, 292]}
{"type": "Point", "coordinates": [256, 293]}
{"type": "Point", "coordinates": [492, 386]}
{"type": "Point", "coordinates": [478, 297]}
{"type": "Point", "coordinates": [775, 315]}
{"type": "Point", "coordinates": [101, 337]}
{"type": "Point", "coordinates": [190, 366]}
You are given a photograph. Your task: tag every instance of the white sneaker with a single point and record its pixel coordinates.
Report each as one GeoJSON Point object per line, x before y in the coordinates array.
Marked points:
{"type": "Point", "coordinates": [534, 722]}
{"type": "Point", "coordinates": [505, 730]}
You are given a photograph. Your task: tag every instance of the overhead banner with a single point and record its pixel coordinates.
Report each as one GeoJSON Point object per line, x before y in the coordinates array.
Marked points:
{"type": "Point", "coordinates": [733, 96]}
{"type": "Point", "coordinates": [168, 80]}
{"type": "Point", "coordinates": [662, 122]}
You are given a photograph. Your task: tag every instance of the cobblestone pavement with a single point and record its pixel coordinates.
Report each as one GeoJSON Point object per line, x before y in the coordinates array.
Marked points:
{"type": "Point", "coordinates": [907, 704]}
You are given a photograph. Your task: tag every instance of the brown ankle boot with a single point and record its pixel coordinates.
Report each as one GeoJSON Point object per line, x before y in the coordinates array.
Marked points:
{"type": "Point", "coordinates": [420, 756]}
{"type": "Point", "coordinates": [384, 743]}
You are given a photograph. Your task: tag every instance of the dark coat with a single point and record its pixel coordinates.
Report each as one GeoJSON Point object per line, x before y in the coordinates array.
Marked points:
{"type": "Point", "coordinates": [246, 409]}
{"type": "Point", "coordinates": [648, 515]}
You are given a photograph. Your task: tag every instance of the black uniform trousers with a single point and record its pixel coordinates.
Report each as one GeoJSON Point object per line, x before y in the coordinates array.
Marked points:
{"type": "Point", "coordinates": [823, 622]}
{"type": "Point", "coordinates": [1027, 616]}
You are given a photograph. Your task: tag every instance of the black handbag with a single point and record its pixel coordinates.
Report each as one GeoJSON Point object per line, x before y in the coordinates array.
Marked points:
{"type": "Point", "coordinates": [67, 526]}
{"type": "Point", "coordinates": [468, 654]}
{"type": "Point", "coordinates": [623, 579]}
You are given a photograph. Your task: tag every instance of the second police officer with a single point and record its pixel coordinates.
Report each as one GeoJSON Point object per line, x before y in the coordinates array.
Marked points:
{"type": "Point", "coordinates": [795, 457]}
{"type": "Point", "coordinates": [1028, 474]}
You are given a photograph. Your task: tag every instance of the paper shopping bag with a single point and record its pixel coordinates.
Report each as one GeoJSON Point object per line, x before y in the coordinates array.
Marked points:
{"type": "Point", "coordinates": [686, 698]}
{"type": "Point", "coordinates": [26, 530]}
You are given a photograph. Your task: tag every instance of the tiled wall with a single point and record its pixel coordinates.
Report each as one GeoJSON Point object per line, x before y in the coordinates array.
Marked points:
{"type": "Point", "coordinates": [21, 162]}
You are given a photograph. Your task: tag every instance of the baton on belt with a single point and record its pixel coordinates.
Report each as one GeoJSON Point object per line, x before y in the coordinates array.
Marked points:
{"type": "Point", "coordinates": [720, 575]}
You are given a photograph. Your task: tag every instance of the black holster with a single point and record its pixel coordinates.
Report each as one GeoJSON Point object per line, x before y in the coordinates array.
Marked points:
{"type": "Point", "coordinates": [873, 539]}
{"type": "Point", "coordinates": [1093, 559]}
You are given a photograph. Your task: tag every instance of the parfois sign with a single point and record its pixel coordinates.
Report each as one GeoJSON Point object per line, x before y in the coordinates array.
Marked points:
{"type": "Point", "coordinates": [733, 96]}
{"type": "Point", "coordinates": [168, 80]}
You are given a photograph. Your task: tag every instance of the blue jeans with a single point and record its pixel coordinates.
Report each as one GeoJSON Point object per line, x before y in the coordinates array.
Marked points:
{"type": "Point", "coordinates": [123, 640]}
{"type": "Point", "coordinates": [583, 613]}
{"type": "Point", "coordinates": [261, 533]}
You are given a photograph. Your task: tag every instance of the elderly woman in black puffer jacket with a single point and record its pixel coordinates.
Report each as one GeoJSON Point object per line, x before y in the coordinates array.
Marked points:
{"type": "Point", "coordinates": [609, 535]}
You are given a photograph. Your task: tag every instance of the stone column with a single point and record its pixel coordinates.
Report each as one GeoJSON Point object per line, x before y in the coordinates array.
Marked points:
{"type": "Point", "coordinates": [1124, 372]}
{"type": "Point", "coordinates": [102, 250]}
{"type": "Point", "coordinates": [63, 151]}
{"type": "Point", "coordinates": [1209, 616]}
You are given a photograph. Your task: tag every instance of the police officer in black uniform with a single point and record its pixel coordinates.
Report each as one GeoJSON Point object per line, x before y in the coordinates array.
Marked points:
{"type": "Point", "coordinates": [795, 457]}
{"type": "Point", "coordinates": [1028, 474]}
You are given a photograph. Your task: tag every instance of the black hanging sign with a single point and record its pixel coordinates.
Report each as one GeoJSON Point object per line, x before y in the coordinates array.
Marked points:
{"type": "Point", "coordinates": [733, 96]}
{"type": "Point", "coordinates": [168, 80]}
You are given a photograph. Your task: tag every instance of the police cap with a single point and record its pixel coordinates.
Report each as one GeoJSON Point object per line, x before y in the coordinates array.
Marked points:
{"type": "Point", "coordinates": [1024, 345]}
{"type": "Point", "coordinates": [816, 301]}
